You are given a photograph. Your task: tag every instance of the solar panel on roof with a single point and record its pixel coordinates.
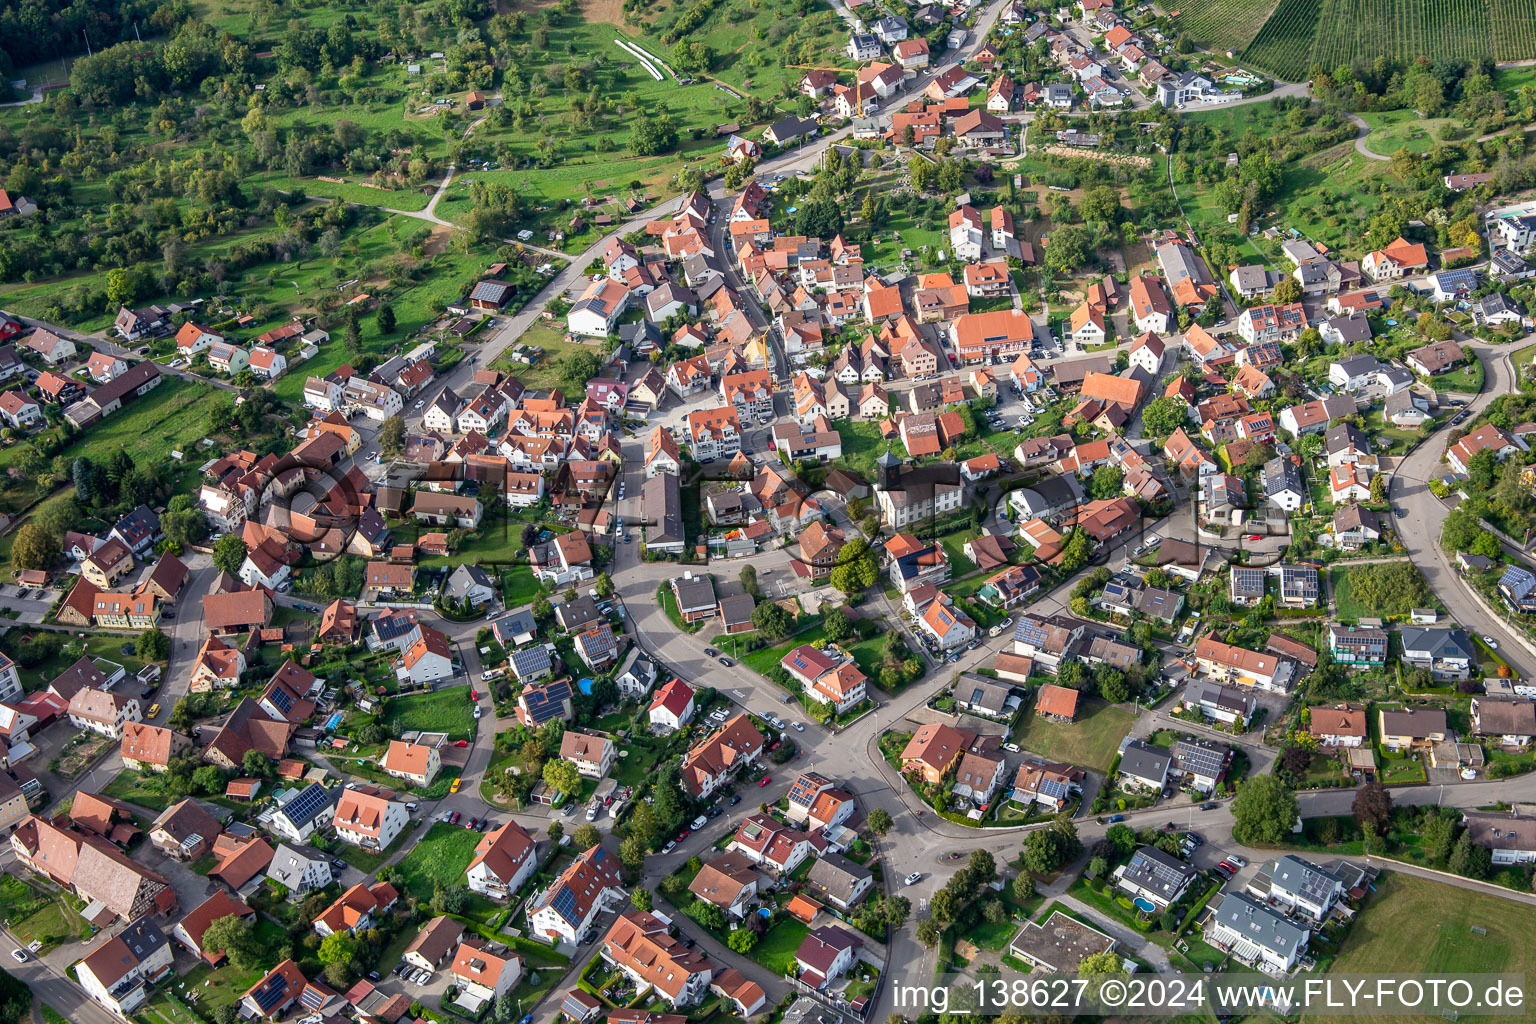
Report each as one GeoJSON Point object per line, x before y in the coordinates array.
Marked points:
{"type": "Point", "coordinates": [270, 993]}
{"type": "Point", "coordinates": [1053, 788]}
{"type": "Point", "coordinates": [303, 808]}
{"type": "Point", "coordinates": [311, 998]}
{"type": "Point", "coordinates": [282, 699]}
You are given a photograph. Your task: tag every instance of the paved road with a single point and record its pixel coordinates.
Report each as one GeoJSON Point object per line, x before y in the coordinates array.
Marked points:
{"type": "Point", "coordinates": [1420, 529]}
{"type": "Point", "coordinates": [1362, 130]}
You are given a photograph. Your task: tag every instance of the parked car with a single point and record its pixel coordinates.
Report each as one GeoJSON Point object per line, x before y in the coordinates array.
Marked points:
{"type": "Point", "coordinates": [1209, 805]}
{"type": "Point", "coordinates": [765, 780]}
{"type": "Point", "coordinates": [913, 878]}
{"type": "Point", "coordinates": [1233, 858]}
{"type": "Point", "coordinates": [735, 799]}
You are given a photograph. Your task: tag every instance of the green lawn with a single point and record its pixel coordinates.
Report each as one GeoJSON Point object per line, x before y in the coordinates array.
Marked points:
{"type": "Point", "coordinates": [518, 587]}
{"type": "Point", "coordinates": [776, 950]}
{"type": "Point", "coordinates": [1091, 741]}
{"type": "Point", "coordinates": [442, 855]}
{"type": "Point", "coordinates": [992, 936]}
{"type": "Point", "coordinates": [1440, 919]}
{"type": "Point", "coordinates": [97, 645]}
{"type": "Point", "coordinates": [126, 785]}
{"type": "Point", "coordinates": [369, 861]}
{"type": "Point", "coordinates": [1393, 130]}
{"type": "Point", "coordinates": [765, 658]}
{"type": "Point", "coordinates": [448, 711]}
{"type": "Point", "coordinates": [1468, 378]}
{"type": "Point", "coordinates": [52, 923]}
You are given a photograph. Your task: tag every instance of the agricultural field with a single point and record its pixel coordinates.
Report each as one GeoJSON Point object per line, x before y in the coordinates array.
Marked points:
{"type": "Point", "coordinates": [1223, 24]}
{"type": "Point", "coordinates": [1338, 32]}
{"type": "Point", "coordinates": [1283, 45]}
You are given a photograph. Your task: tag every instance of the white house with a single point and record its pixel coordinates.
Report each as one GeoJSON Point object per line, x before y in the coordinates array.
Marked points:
{"type": "Point", "coordinates": [1255, 933]}
{"type": "Point", "coordinates": [118, 975]}
{"type": "Point", "coordinates": [296, 814]}
{"type": "Point", "coordinates": [416, 763]}
{"type": "Point", "coordinates": [504, 859]}
{"type": "Point", "coordinates": [482, 975]}
{"type": "Point", "coordinates": [368, 820]}
{"type": "Point", "coordinates": [596, 314]}
{"type": "Point", "coordinates": [672, 706]}
{"type": "Point", "coordinates": [1302, 886]}
{"type": "Point", "coordinates": [298, 872]}
{"type": "Point", "coordinates": [589, 885]}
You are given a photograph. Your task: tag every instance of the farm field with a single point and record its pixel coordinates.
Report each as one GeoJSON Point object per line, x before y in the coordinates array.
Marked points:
{"type": "Point", "coordinates": [1335, 33]}
{"type": "Point", "coordinates": [1441, 919]}
{"type": "Point", "coordinates": [1223, 24]}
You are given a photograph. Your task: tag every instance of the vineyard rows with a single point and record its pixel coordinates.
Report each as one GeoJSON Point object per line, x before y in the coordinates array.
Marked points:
{"type": "Point", "coordinates": [1223, 25]}
{"type": "Point", "coordinates": [1339, 32]}
{"type": "Point", "coordinates": [1283, 47]}
{"type": "Point", "coordinates": [1512, 29]}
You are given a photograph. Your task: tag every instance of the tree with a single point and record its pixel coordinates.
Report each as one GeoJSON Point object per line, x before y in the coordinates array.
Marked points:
{"type": "Point", "coordinates": [1288, 290]}
{"type": "Point", "coordinates": [856, 570]}
{"type": "Point", "coordinates": [556, 831]}
{"type": "Point", "coordinates": [154, 645]}
{"type": "Point", "coordinates": [928, 932]}
{"type": "Point", "coordinates": [1164, 415]}
{"type": "Point", "coordinates": [772, 621]}
{"type": "Point", "coordinates": [604, 585]}
{"type": "Point", "coordinates": [338, 947]}
{"type": "Point", "coordinates": [1439, 835]}
{"type": "Point", "coordinates": [641, 898]}
{"type": "Point", "coordinates": [1106, 482]}
{"type": "Point", "coordinates": [1373, 803]}
{"type": "Point", "coordinates": [255, 764]}
{"type": "Point", "coordinates": [749, 581]}
{"type": "Point", "coordinates": [506, 1008]}
{"type": "Point", "coordinates": [632, 855]}
{"type": "Point", "coordinates": [353, 339]}
{"type": "Point", "coordinates": [229, 553]}
{"type": "Point", "coordinates": [392, 434]}
{"type": "Point", "coordinates": [1069, 249]}
{"type": "Point", "coordinates": [1098, 968]}
{"type": "Point", "coordinates": [576, 369]}
{"type": "Point", "coordinates": [1264, 810]}
{"type": "Point", "coordinates": [232, 934]}
{"type": "Point", "coordinates": [1049, 848]}
{"type": "Point", "coordinates": [338, 975]}
{"type": "Point", "coordinates": [563, 776]}
{"type": "Point", "coordinates": [1122, 838]}
{"type": "Point", "coordinates": [879, 821]}
{"type": "Point", "coordinates": [1379, 487]}
{"type": "Point", "coordinates": [586, 836]}
{"type": "Point", "coordinates": [707, 914]}
{"type": "Point", "coordinates": [1468, 859]}
{"type": "Point", "coordinates": [982, 867]}
{"type": "Point", "coordinates": [34, 547]}
{"type": "Point", "coordinates": [1101, 203]}
{"type": "Point", "coordinates": [741, 940]}
{"type": "Point", "coordinates": [208, 780]}
{"type": "Point", "coordinates": [838, 626]}
{"type": "Point", "coordinates": [181, 719]}
{"type": "Point", "coordinates": [944, 905]}
{"type": "Point", "coordinates": [386, 319]}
